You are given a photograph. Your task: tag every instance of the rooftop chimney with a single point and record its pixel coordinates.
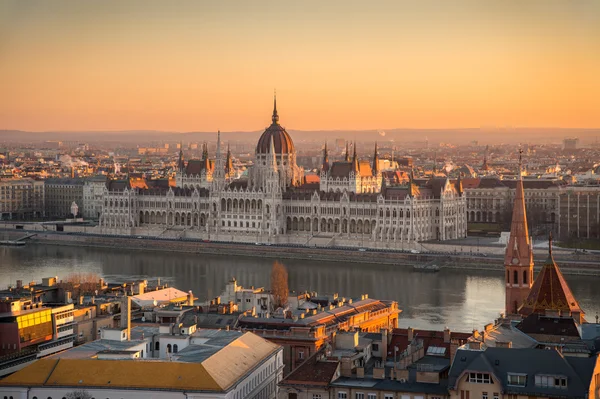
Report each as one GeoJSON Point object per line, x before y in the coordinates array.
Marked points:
{"type": "Point", "coordinates": [126, 315]}
{"type": "Point", "coordinates": [447, 335]}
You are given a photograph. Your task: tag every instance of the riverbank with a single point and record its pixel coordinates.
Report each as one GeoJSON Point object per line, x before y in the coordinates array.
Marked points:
{"type": "Point", "coordinates": [401, 259]}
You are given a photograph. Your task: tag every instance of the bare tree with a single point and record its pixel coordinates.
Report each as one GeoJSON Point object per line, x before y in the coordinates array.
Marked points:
{"type": "Point", "coordinates": [279, 285]}
{"type": "Point", "coordinates": [81, 283]}
{"type": "Point", "coordinates": [79, 394]}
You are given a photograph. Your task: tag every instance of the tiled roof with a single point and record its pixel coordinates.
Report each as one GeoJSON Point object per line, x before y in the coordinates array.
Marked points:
{"type": "Point", "coordinates": [550, 291]}
{"type": "Point", "coordinates": [501, 361]}
{"type": "Point", "coordinates": [340, 169]}
{"type": "Point", "coordinates": [364, 168]}
{"type": "Point", "coordinates": [114, 374]}
{"type": "Point", "coordinates": [429, 338]}
{"type": "Point", "coordinates": [313, 372]}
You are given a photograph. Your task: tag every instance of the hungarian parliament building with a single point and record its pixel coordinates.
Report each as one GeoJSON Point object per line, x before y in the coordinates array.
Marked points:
{"type": "Point", "coordinates": [353, 204]}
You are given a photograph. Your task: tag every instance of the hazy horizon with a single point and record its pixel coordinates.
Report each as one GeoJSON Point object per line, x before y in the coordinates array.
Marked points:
{"type": "Point", "coordinates": [69, 65]}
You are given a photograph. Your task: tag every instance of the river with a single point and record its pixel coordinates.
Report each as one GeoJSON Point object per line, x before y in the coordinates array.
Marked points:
{"type": "Point", "coordinates": [459, 299]}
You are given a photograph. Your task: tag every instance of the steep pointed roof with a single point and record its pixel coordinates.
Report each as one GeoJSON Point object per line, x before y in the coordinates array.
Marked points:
{"type": "Point", "coordinates": [518, 251]}
{"type": "Point", "coordinates": [550, 291]}
{"type": "Point", "coordinates": [180, 161]}
{"type": "Point", "coordinates": [347, 156]}
{"type": "Point", "coordinates": [325, 165]}
{"type": "Point", "coordinates": [228, 161]}
{"type": "Point", "coordinates": [459, 185]}
{"type": "Point", "coordinates": [355, 166]}
{"type": "Point", "coordinates": [485, 165]}
{"type": "Point", "coordinates": [375, 167]}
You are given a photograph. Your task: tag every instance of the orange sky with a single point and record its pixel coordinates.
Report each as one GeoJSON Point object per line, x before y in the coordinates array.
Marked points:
{"type": "Point", "coordinates": [340, 64]}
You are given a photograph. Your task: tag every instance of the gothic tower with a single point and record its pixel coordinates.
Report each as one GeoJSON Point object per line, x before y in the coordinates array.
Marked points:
{"type": "Point", "coordinates": [518, 259]}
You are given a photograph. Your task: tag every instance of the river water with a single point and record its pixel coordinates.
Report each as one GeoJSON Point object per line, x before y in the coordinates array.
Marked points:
{"type": "Point", "coordinates": [459, 299]}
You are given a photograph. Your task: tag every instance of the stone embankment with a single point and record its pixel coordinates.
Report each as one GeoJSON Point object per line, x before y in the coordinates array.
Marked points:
{"type": "Point", "coordinates": [583, 265]}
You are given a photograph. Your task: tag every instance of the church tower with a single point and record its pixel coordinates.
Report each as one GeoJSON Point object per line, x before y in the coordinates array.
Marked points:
{"type": "Point", "coordinates": [518, 259]}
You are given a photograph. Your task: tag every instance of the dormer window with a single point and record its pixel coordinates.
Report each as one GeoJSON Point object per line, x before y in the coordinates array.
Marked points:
{"type": "Point", "coordinates": [517, 380]}
{"type": "Point", "coordinates": [551, 381]}
{"type": "Point", "coordinates": [480, 378]}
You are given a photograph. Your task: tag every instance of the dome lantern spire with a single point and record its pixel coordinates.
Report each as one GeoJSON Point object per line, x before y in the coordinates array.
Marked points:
{"type": "Point", "coordinates": [275, 117]}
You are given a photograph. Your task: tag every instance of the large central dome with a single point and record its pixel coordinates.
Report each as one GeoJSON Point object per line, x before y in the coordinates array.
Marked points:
{"type": "Point", "coordinates": [281, 139]}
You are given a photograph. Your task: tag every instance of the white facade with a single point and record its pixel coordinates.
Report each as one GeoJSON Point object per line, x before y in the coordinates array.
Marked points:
{"type": "Point", "coordinates": [272, 206]}
{"type": "Point", "coordinates": [93, 191]}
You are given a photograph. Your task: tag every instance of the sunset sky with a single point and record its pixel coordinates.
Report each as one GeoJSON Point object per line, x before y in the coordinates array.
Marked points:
{"type": "Point", "coordinates": [208, 65]}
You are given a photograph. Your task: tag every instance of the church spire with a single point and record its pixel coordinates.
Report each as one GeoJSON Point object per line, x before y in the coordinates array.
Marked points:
{"type": "Point", "coordinates": [375, 161]}
{"type": "Point", "coordinates": [485, 166]}
{"type": "Point", "coordinates": [275, 117]}
{"type": "Point", "coordinates": [518, 257]}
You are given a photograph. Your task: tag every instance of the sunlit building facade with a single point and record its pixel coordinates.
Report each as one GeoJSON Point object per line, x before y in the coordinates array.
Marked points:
{"type": "Point", "coordinates": [352, 205]}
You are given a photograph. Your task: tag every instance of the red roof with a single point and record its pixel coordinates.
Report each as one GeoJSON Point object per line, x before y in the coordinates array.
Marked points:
{"type": "Point", "coordinates": [429, 338]}
{"type": "Point", "coordinates": [312, 372]}
{"type": "Point", "coordinates": [550, 291]}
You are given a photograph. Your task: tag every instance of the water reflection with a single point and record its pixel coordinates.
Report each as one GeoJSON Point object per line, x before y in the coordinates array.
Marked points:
{"type": "Point", "coordinates": [461, 300]}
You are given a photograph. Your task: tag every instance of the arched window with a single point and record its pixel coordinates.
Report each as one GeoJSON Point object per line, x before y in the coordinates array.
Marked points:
{"type": "Point", "coordinates": [169, 348]}
{"type": "Point", "coordinates": [175, 348]}
{"type": "Point", "coordinates": [157, 346]}
{"type": "Point", "coordinates": [515, 277]}
{"type": "Point", "coordinates": [524, 276]}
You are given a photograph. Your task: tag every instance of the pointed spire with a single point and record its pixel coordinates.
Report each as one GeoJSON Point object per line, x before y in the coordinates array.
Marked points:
{"type": "Point", "coordinates": [355, 160]}
{"type": "Point", "coordinates": [325, 164]}
{"type": "Point", "coordinates": [180, 162]}
{"type": "Point", "coordinates": [204, 151]}
{"type": "Point", "coordinates": [273, 155]}
{"type": "Point", "coordinates": [520, 172]}
{"type": "Point", "coordinates": [347, 156]}
{"type": "Point", "coordinates": [375, 167]}
{"type": "Point", "coordinates": [485, 166]}
{"type": "Point", "coordinates": [275, 117]}
{"type": "Point", "coordinates": [411, 183]}
{"type": "Point", "coordinates": [228, 162]}
{"type": "Point", "coordinates": [219, 167]}
{"type": "Point", "coordinates": [459, 186]}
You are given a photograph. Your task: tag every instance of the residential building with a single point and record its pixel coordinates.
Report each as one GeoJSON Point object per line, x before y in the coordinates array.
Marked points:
{"type": "Point", "coordinates": [21, 199]}
{"type": "Point", "coordinates": [358, 365]}
{"type": "Point", "coordinates": [507, 373]}
{"type": "Point", "coordinates": [157, 362]}
{"type": "Point", "coordinates": [302, 332]}
{"type": "Point", "coordinates": [60, 194]}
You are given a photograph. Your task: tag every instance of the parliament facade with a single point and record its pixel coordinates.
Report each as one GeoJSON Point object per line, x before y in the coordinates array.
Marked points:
{"type": "Point", "coordinates": [352, 205]}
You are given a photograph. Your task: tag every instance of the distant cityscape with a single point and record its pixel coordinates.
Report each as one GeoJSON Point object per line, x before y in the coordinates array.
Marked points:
{"type": "Point", "coordinates": [379, 194]}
